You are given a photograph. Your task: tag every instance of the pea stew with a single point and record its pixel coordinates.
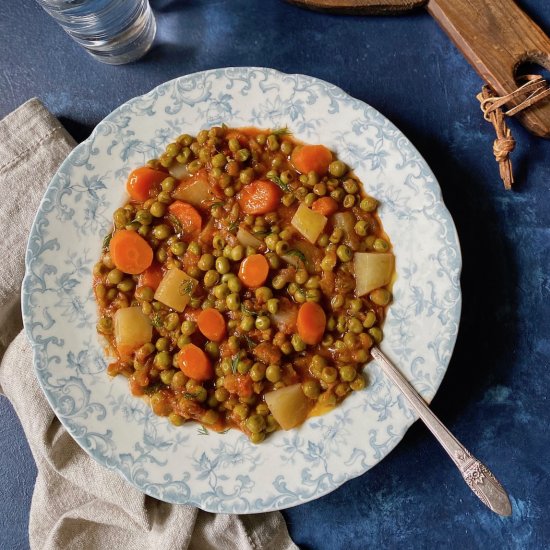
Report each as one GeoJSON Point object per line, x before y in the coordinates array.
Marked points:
{"type": "Point", "coordinates": [244, 281]}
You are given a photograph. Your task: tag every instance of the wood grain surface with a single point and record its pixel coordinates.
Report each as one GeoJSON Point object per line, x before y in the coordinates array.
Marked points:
{"type": "Point", "coordinates": [497, 37]}
{"type": "Point", "coordinates": [360, 7]}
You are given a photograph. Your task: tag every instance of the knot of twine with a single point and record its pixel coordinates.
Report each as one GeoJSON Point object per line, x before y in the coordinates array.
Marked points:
{"type": "Point", "coordinates": [532, 91]}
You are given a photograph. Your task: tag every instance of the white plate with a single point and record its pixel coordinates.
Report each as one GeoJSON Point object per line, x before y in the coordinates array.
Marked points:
{"type": "Point", "coordinates": [224, 472]}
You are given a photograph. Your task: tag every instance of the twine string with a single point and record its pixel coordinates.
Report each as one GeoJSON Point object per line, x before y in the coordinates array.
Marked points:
{"type": "Point", "coordinates": [533, 90]}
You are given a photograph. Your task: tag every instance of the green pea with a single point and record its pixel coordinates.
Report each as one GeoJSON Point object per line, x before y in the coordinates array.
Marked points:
{"type": "Point", "coordinates": [278, 282]}
{"type": "Point", "coordinates": [233, 301]}
{"type": "Point", "coordinates": [350, 185]}
{"type": "Point", "coordinates": [247, 323]}
{"type": "Point", "coordinates": [288, 199]}
{"type": "Point", "coordinates": [350, 339]}
{"type": "Point", "coordinates": [361, 228]}
{"type": "Point", "coordinates": [194, 272]}
{"type": "Point", "coordinates": [194, 166]}
{"type": "Point", "coordinates": [329, 375]}
{"type": "Point", "coordinates": [233, 145]}
{"type": "Point", "coordinates": [380, 245]}
{"type": "Point", "coordinates": [297, 343]}
{"type": "Point", "coordinates": [300, 295]}
{"type": "Point", "coordinates": [354, 325]}
{"type": "Point", "coordinates": [242, 155]}
{"type": "Point", "coordinates": [347, 373]}
{"type": "Point", "coordinates": [168, 184]}
{"type": "Point", "coordinates": [237, 253]}
{"type": "Point", "coordinates": [312, 178]}
{"type": "Point", "coordinates": [376, 334]}
{"type": "Point", "coordinates": [158, 209]}
{"type": "Point", "coordinates": [220, 291]}
{"type": "Point", "coordinates": [273, 305]}
{"type": "Point", "coordinates": [164, 197]}
{"type": "Point", "coordinates": [263, 294]}
{"type": "Point", "coordinates": [263, 322]}
{"type": "Point", "coordinates": [355, 305]}
{"type": "Point", "coordinates": [211, 278]}
{"type": "Point", "coordinates": [311, 389]}
{"type": "Point", "coordinates": [313, 295]}
{"type": "Point", "coordinates": [162, 360]}
{"type": "Point", "coordinates": [244, 366]}
{"type": "Point", "coordinates": [272, 142]}
{"type": "Point", "coordinates": [337, 168]}
{"type": "Point", "coordinates": [222, 265]}
{"type": "Point", "coordinates": [188, 327]}
{"type": "Point", "coordinates": [219, 160]}
{"type": "Point", "coordinates": [166, 376]}
{"type": "Point", "coordinates": [301, 276]}
{"type": "Point", "coordinates": [105, 325]}
{"type": "Point", "coordinates": [257, 372]}
{"type": "Point", "coordinates": [161, 255]}
{"type": "Point", "coordinates": [310, 198]}
{"type": "Point", "coordinates": [162, 344]}
{"type": "Point", "coordinates": [171, 321]}
{"type": "Point", "coordinates": [273, 260]}
{"type": "Point", "coordinates": [234, 284]}
{"type": "Point", "coordinates": [255, 423]}
{"type": "Point", "coordinates": [320, 189]}
{"type": "Point", "coordinates": [144, 217]}
{"type": "Point", "coordinates": [368, 204]}
{"type": "Point", "coordinates": [206, 262]}
{"type": "Point", "coordinates": [273, 373]}
{"type": "Point", "coordinates": [114, 276]}
{"type": "Point", "coordinates": [173, 149]}
{"type": "Point", "coordinates": [161, 232]}
{"type": "Point", "coordinates": [380, 296]}
{"type": "Point", "coordinates": [184, 155]}
{"type": "Point", "coordinates": [358, 384]}
{"type": "Point", "coordinates": [100, 291]}
{"type": "Point", "coordinates": [179, 380]}
{"type": "Point", "coordinates": [165, 160]}
{"type": "Point", "coordinates": [212, 349]}
{"type": "Point", "coordinates": [178, 248]}
{"type": "Point", "coordinates": [218, 242]}
{"type": "Point", "coordinates": [338, 194]}
{"type": "Point", "coordinates": [174, 418]}
{"type": "Point", "coordinates": [328, 263]}
{"type": "Point", "coordinates": [126, 285]}
{"type": "Point", "coordinates": [370, 319]}
{"type": "Point", "coordinates": [323, 240]}
{"type": "Point", "coordinates": [121, 217]}
{"type": "Point", "coordinates": [336, 235]}
{"type": "Point", "coordinates": [286, 348]}
{"type": "Point", "coordinates": [195, 248]}
{"type": "Point", "coordinates": [344, 252]}
{"type": "Point", "coordinates": [271, 241]}
{"type": "Point", "coordinates": [349, 201]}
{"type": "Point", "coordinates": [281, 248]}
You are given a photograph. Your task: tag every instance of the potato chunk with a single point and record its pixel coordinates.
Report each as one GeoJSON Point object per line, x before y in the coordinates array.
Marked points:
{"type": "Point", "coordinates": [309, 223]}
{"type": "Point", "coordinates": [372, 271]}
{"type": "Point", "coordinates": [195, 191]}
{"type": "Point", "coordinates": [289, 406]}
{"type": "Point", "coordinates": [175, 289]}
{"type": "Point", "coordinates": [247, 239]}
{"type": "Point", "coordinates": [132, 329]}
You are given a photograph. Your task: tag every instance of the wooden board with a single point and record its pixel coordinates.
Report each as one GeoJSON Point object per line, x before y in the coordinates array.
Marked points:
{"type": "Point", "coordinates": [496, 37]}
{"type": "Point", "coordinates": [360, 7]}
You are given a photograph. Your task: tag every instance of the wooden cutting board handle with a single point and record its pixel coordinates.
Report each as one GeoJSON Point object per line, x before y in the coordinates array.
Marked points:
{"type": "Point", "coordinates": [496, 37]}
{"type": "Point", "coordinates": [360, 7]}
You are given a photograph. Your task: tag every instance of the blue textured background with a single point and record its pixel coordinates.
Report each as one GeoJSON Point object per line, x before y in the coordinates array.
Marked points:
{"type": "Point", "coordinates": [494, 396]}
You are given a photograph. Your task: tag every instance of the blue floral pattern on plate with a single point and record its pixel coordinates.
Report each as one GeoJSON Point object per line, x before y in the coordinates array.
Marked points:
{"type": "Point", "coordinates": [190, 465]}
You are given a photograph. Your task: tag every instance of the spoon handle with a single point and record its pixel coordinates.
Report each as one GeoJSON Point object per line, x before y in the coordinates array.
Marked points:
{"type": "Point", "coordinates": [477, 476]}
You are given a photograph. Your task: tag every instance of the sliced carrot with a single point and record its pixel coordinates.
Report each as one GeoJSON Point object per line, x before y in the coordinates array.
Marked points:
{"type": "Point", "coordinates": [151, 277]}
{"type": "Point", "coordinates": [194, 363]}
{"type": "Point", "coordinates": [259, 197]}
{"type": "Point", "coordinates": [130, 252]}
{"type": "Point", "coordinates": [142, 180]}
{"type": "Point", "coordinates": [212, 324]}
{"type": "Point", "coordinates": [254, 270]}
{"type": "Point", "coordinates": [308, 158]}
{"type": "Point", "coordinates": [189, 219]}
{"type": "Point", "coordinates": [311, 323]}
{"type": "Point", "coordinates": [325, 205]}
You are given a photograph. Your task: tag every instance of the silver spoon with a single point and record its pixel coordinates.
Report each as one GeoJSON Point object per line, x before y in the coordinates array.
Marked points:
{"type": "Point", "coordinates": [477, 476]}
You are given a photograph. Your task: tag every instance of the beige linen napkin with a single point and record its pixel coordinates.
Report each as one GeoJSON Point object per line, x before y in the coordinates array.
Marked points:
{"type": "Point", "coordinates": [77, 503]}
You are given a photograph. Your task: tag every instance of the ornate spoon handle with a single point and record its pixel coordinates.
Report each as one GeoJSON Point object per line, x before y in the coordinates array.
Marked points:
{"type": "Point", "coordinates": [478, 477]}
